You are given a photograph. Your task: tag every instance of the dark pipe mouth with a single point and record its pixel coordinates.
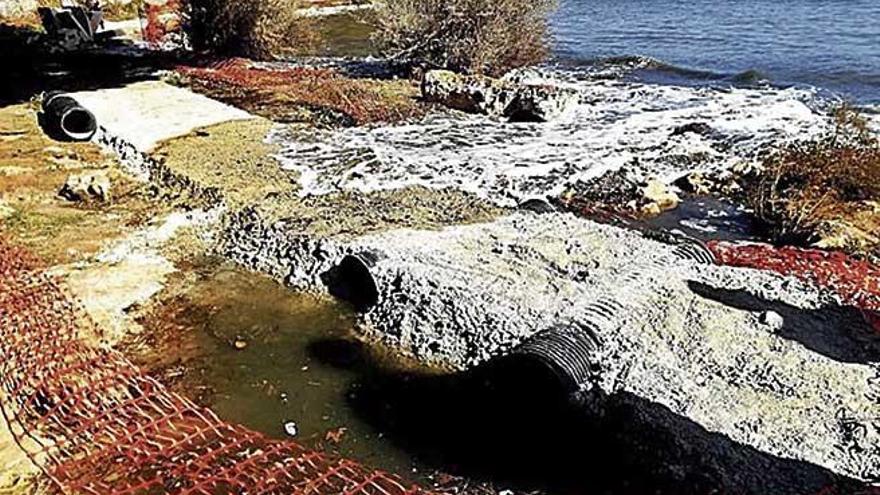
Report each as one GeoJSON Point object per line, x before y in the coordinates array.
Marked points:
{"type": "Point", "coordinates": [567, 352]}
{"type": "Point", "coordinates": [353, 282]}
{"type": "Point", "coordinates": [555, 375]}
{"type": "Point", "coordinates": [537, 205]}
{"type": "Point", "coordinates": [78, 124]}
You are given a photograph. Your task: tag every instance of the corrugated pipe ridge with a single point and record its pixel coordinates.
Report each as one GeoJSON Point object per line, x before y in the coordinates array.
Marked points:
{"type": "Point", "coordinates": [569, 349]}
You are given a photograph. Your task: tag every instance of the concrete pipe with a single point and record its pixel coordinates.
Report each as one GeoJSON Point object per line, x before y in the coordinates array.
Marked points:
{"type": "Point", "coordinates": [64, 117]}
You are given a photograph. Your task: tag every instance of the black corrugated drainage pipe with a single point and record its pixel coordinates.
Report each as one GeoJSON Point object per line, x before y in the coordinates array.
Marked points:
{"type": "Point", "coordinates": [686, 247]}
{"type": "Point", "coordinates": [65, 118]}
{"type": "Point", "coordinates": [695, 250]}
{"type": "Point", "coordinates": [537, 205]}
{"type": "Point", "coordinates": [570, 350]}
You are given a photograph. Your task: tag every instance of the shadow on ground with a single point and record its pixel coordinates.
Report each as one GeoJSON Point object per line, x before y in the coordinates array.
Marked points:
{"type": "Point", "coordinates": [509, 422]}
{"type": "Point", "coordinates": [30, 66]}
{"type": "Point", "coordinates": [838, 332]}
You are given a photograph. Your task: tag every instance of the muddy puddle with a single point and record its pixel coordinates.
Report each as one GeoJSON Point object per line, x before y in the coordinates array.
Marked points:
{"type": "Point", "coordinates": [270, 359]}
{"type": "Point", "coordinates": [708, 218]}
{"type": "Point", "coordinates": [263, 356]}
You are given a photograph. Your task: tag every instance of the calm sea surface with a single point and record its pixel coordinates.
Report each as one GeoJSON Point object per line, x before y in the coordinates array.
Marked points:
{"type": "Point", "coordinates": [829, 44]}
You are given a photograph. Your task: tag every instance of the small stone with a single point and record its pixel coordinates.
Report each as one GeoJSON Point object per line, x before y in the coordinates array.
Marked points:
{"type": "Point", "coordinates": [656, 197]}
{"type": "Point", "coordinates": [291, 428]}
{"type": "Point", "coordinates": [772, 319]}
{"type": "Point", "coordinates": [6, 211]}
{"type": "Point", "coordinates": [240, 344]}
{"type": "Point", "coordinates": [88, 186]}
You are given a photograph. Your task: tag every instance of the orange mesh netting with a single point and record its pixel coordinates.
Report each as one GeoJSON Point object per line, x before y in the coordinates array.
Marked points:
{"type": "Point", "coordinates": [96, 424]}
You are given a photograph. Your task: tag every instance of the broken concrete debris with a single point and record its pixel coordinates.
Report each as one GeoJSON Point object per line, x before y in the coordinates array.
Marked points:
{"type": "Point", "coordinates": [86, 186]}
{"type": "Point", "coordinates": [481, 94]}
{"type": "Point", "coordinates": [71, 27]}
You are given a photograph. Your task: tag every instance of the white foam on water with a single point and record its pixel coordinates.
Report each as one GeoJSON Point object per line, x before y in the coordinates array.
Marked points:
{"type": "Point", "coordinates": [615, 124]}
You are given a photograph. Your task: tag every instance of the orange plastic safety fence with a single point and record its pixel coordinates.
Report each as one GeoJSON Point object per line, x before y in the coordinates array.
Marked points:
{"type": "Point", "coordinates": [96, 424]}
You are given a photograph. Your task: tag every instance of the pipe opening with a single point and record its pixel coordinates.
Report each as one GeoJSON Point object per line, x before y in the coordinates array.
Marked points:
{"type": "Point", "coordinates": [63, 118]}
{"type": "Point", "coordinates": [78, 124]}
{"type": "Point", "coordinates": [352, 282]}
{"type": "Point", "coordinates": [567, 352]}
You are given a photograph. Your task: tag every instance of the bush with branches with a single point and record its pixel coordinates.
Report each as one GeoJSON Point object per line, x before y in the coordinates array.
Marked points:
{"type": "Point", "coordinates": [473, 36]}
{"type": "Point", "coordinates": [808, 182]}
{"type": "Point", "coordinates": [258, 29]}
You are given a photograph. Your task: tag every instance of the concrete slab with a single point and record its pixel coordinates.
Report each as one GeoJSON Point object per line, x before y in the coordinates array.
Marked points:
{"type": "Point", "coordinates": [688, 338]}
{"type": "Point", "coordinates": [147, 113]}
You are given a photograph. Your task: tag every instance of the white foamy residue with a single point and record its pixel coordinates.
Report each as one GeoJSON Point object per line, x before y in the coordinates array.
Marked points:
{"type": "Point", "coordinates": [615, 123]}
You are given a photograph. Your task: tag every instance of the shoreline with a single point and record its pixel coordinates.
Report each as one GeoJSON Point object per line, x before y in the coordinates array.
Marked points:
{"type": "Point", "coordinates": [267, 244]}
{"type": "Point", "coordinates": [426, 227]}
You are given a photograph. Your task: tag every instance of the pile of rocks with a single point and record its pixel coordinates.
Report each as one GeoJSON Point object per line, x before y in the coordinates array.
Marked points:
{"type": "Point", "coordinates": [496, 97]}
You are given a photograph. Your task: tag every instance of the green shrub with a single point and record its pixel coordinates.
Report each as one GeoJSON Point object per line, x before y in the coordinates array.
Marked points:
{"type": "Point", "coordinates": [472, 36]}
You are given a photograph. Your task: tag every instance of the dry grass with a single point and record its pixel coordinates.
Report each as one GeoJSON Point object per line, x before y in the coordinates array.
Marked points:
{"type": "Point", "coordinates": [312, 95]}
{"type": "Point", "coordinates": [32, 170]}
{"type": "Point", "coordinates": [808, 185]}
{"type": "Point", "coordinates": [473, 36]}
{"type": "Point", "coordinates": [259, 29]}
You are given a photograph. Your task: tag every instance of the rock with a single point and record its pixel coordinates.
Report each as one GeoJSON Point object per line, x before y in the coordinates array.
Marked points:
{"type": "Point", "coordinates": [239, 344]}
{"type": "Point", "coordinates": [656, 197]}
{"type": "Point", "coordinates": [694, 183]}
{"type": "Point", "coordinates": [540, 103]}
{"type": "Point", "coordinates": [291, 429]}
{"type": "Point", "coordinates": [473, 94]}
{"type": "Point", "coordinates": [6, 211]}
{"type": "Point", "coordinates": [772, 319]}
{"type": "Point", "coordinates": [694, 127]}
{"type": "Point", "coordinates": [88, 186]}
{"type": "Point", "coordinates": [484, 95]}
